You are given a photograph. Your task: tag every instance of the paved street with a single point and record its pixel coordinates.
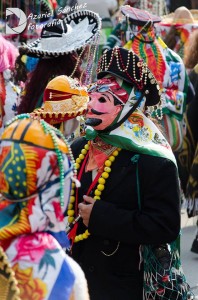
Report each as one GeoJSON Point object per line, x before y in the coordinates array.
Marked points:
{"type": "Point", "coordinates": [189, 259]}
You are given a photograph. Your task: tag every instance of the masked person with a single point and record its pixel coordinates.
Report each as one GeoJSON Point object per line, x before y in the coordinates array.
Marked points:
{"type": "Point", "coordinates": [139, 34]}
{"type": "Point", "coordinates": [123, 160]}
{"type": "Point", "coordinates": [8, 55]}
{"type": "Point", "coordinates": [176, 28]}
{"type": "Point", "coordinates": [36, 178]}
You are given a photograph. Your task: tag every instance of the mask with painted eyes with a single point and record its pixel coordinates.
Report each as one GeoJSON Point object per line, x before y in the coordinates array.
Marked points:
{"type": "Point", "coordinates": [107, 98]}
{"type": "Point", "coordinates": [103, 107]}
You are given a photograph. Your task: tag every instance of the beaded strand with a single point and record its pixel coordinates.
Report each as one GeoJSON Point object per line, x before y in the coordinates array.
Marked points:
{"type": "Point", "coordinates": [77, 63]}
{"type": "Point", "coordinates": [99, 188]}
{"type": "Point", "coordinates": [91, 59]}
{"type": "Point", "coordinates": [143, 70]}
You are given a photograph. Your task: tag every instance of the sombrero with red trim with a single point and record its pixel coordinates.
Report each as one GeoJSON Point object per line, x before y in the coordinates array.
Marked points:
{"type": "Point", "coordinates": [64, 99]}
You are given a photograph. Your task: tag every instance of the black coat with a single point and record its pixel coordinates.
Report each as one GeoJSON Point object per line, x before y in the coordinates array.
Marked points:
{"type": "Point", "coordinates": [117, 225]}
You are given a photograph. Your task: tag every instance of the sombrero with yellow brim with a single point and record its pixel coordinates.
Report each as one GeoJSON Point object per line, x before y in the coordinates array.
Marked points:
{"type": "Point", "coordinates": [64, 99]}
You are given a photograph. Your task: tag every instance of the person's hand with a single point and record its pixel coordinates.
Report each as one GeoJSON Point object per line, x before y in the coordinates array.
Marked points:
{"type": "Point", "coordinates": [85, 209]}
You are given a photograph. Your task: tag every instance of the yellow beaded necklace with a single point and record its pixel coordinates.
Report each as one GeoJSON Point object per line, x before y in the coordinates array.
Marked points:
{"type": "Point", "coordinates": [98, 191]}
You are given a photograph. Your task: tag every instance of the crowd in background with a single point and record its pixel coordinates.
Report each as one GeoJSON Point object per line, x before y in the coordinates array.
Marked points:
{"type": "Point", "coordinates": [168, 45]}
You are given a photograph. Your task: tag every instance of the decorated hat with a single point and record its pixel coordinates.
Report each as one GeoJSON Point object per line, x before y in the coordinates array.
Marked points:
{"type": "Point", "coordinates": [29, 140]}
{"type": "Point", "coordinates": [125, 64]}
{"type": "Point", "coordinates": [24, 129]}
{"type": "Point", "coordinates": [64, 99]}
{"type": "Point", "coordinates": [60, 37]}
{"type": "Point", "coordinates": [137, 16]}
{"type": "Point", "coordinates": [180, 24]}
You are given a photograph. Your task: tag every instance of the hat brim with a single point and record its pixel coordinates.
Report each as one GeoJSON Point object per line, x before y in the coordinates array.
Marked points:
{"type": "Point", "coordinates": [89, 23]}
{"type": "Point", "coordinates": [153, 96]}
{"type": "Point", "coordinates": [56, 117]}
{"type": "Point", "coordinates": [137, 16]}
{"type": "Point", "coordinates": [169, 19]}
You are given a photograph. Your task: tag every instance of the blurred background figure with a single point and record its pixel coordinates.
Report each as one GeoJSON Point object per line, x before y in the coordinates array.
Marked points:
{"type": "Point", "coordinates": [24, 65]}
{"type": "Point", "coordinates": [188, 157]}
{"type": "Point", "coordinates": [168, 68]}
{"type": "Point", "coordinates": [157, 7]}
{"type": "Point", "coordinates": [8, 55]}
{"type": "Point", "coordinates": [175, 28]}
{"type": "Point", "coordinates": [106, 10]}
{"type": "Point", "coordinates": [117, 36]}
{"type": "Point", "coordinates": [191, 51]}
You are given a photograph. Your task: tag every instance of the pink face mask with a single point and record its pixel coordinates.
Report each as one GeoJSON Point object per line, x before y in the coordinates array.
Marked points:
{"type": "Point", "coordinates": [102, 109]}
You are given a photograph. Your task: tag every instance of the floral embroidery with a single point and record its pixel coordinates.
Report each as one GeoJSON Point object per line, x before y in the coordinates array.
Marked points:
{"type": "Point", "coordinates": [30, 288]}
{"type": "Point", "coordinates": [33, 247]}
{"type": "Point", "coordinates": [47, 260]}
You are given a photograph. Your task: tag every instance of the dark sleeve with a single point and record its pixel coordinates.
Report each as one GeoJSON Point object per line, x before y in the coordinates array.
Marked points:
{"type": "Point", "coordinates": [159, 218]}
{"type": "Point", "coordinates": [190, 93]}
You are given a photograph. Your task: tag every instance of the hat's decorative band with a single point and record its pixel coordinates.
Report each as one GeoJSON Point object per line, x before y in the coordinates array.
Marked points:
{"type": "Point", "coordinates": [105, 63]}
{"type": "Point", "coordinates": [57, 117]}
{"type": "Point", "coordinates": [56, 95]}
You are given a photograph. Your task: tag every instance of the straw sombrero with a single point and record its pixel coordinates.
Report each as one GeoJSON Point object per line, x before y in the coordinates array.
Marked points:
{"type": "Point", "coordinates": [184, 21]}
{"type": "Point", "coordinates": [191, 17]}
